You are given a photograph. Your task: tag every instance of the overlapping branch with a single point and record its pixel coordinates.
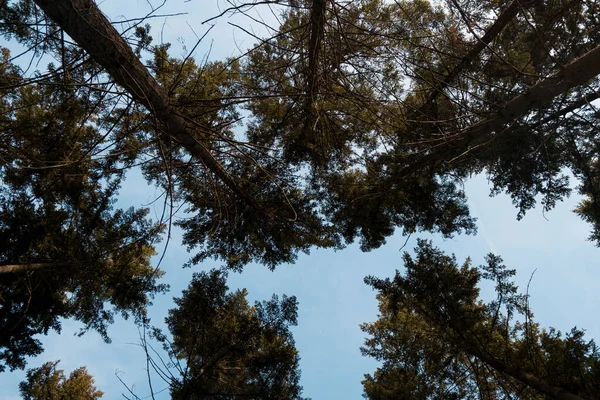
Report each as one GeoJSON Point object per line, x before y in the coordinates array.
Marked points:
{"type": "Point", "coordinates": [539, 96]}
{"type": "Point", "coordinates": [85, 23]}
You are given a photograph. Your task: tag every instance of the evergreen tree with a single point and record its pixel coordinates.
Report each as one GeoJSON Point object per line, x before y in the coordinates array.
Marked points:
{"type": "Point", "coordinates": [65, 251]}
{"type": "Point", "coordinates": [49, 383]}
{"type": "Point", "coordinates": [366, 117]}
{"type": "Point", "coordinates": [437, 340]}
{"type": "Point", "coordinates": [223, 348]}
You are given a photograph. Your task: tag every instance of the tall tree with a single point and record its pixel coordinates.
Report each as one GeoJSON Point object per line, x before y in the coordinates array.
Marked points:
{"type": "Point", "coordinates": [366, 117]}
{"type": "Point", "coordinates": [50, 383]}
{"type": "Point", "coordinates": [65, 251]}
{"type": "Point", "coordinates": [393, 102]}
{"type": "Point", "coordinates": [409, 98]}
{"type": "Point", "coordinates": [437, 340]}
{"type": "Point", "coordinates": [223, 348]}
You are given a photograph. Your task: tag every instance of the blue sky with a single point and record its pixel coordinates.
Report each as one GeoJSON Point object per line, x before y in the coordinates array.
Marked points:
{"type": "Point", "coordinates": [333, 299]}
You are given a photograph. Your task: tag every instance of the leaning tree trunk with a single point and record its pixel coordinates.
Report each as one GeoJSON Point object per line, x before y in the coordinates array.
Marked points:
{"type": "Point", "coordinates": [577, 73]}
{"type": "Point", "coordinates": [85, 23]}
{"type": "Point", "coordinates": [525, 377]}
{"type": "Point", "coordinates": [494, 30]}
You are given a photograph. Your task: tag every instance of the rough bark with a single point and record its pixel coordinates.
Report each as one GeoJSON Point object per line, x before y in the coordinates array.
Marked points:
{"type": "Point", "coordinates": [87, 26]}
{"type": "Point", "coordinates": [317, 30]}
{"type": "Point", "coordinates": [576, 73]}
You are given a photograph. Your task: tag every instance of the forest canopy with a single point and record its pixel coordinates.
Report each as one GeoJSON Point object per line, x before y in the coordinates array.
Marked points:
{"type": "Point", "coordinates": [347, 122]}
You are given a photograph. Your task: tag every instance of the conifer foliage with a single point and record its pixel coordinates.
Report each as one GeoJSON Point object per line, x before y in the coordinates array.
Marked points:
{"type": "Point", "coordinates": [437, 340]}
{"type": "Point", "coordinates": [50, 383]}
{"type": "Point", "coordinates": [223, 348]}
{"type": "Point", "coordinates": [353, 120]}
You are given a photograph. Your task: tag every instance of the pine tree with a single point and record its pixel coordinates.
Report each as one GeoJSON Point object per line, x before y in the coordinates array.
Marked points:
{"type": "Point", "coordinates": [65, 251]}
{"type": "Point", "coordinates": [437, 340]}
{"type": "Point", "coordinates": [223, 348]}
{"type": "Point", "coordinates": [49, 383]}
{"type": "Point", "coordinates": [366, 117]}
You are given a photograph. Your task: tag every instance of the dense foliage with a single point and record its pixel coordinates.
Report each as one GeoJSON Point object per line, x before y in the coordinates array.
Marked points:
{"type": "Point", "coordinates": [223, 348]}
{"type": "Point", "coordinates": [49, 383]}
{"type": "Point", "coordinates": [437, 340]}
{"type": "Point", "coordinates": [364, 117]}
{"type": "Point", "coordinates": [361, 118]}
{"type": "Point", "coordinates": [65, 251]}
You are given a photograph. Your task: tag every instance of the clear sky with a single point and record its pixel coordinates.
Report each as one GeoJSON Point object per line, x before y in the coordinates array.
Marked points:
{"type": "Point", "coordinates": [333, 300]}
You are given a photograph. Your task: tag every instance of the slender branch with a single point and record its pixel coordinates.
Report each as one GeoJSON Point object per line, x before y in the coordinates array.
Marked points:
{"type": "Point", "coordinates": [575, 105]}
{"type": "Point", "coordinates": [20, 268]}
{"type": "Point", "coordinates": [504, 19]}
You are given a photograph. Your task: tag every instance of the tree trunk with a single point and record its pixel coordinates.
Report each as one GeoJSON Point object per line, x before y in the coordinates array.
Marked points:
{"type": "Point", "coordinates": [576, 73]}
{"type": "Point", "coordinates": [317, 30]}
{"type": "Point", "coordinates": [86, 24]}
{"type": "Point", "coordinates": [539, 96]}
{"type": "Point", "coordinates": [525, 377]}
{"type": "Point", "coordinates": [315, 48]}
{"type": "Point", "coordinates": [507, 15]}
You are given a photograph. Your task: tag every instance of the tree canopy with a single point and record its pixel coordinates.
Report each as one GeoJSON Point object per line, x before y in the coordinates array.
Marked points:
{"type": "Point", "coordinates": [437, 340]}
{"type": "Point", "coordinates": [65, 251]}
{"type": "Point", "coordinates": [364, 117]}
{"type": "Point", "coordinates": [353, 120]}
{"type": "Point", "coordinates": [223, 348]}
{"type": "Point", "coordinates": [50, 383]}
